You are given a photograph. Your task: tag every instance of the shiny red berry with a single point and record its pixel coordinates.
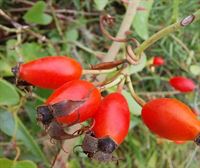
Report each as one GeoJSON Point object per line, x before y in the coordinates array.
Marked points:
{"type": "Point", "coordinates": [110, 127]}
{"type": "Point", "coordinates": [182, 84]}
{"type": "Point", "coordinates": [171, 119]}
{"type": "Point", "coordinates": [112, 118]}
{"type": "Point", "coordinates": [49, 72]}
{"type": "Point", "coordinates": [158, 61]}
{"type": "Point", "coordinates": [74, 102]}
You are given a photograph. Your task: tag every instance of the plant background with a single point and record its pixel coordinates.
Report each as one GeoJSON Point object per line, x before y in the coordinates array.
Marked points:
{"type": "Point", "coordinates": [72, 28]}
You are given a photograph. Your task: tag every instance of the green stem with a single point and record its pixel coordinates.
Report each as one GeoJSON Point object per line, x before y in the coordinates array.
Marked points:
{"type": "Point", "coordinates": [139, 100]}
{"type": "Point", "coordinates": [7, 29]}
{"type": "Point", "coordinates": [175, 12]}
{"type": "Point", "coordinates": [163, 93]}
{"type": "Point", "coordinates": [113, 83]}
{"type": "Point", "coordinates": [174, 27]}
{"type": "Point", "coordinates": [181, 44]}
{"type": "Point", "coordinates": [56, 20]}
{"type": "Point", "coordinates": [94, 72]}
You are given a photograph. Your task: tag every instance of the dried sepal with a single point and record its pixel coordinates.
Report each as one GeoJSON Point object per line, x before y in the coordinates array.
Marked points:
{"type": "Point", "coordinates": [47, 113]}
{"type": "Point", "coordinates": [99, 148]}
{"type": "Point", "coordinates": [56, 131]}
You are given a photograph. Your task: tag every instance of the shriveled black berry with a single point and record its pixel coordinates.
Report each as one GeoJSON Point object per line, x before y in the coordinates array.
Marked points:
{"type": "Point", "coordinates": [106, 145]}
{"type": "Point", "coordinates": [44, 115]}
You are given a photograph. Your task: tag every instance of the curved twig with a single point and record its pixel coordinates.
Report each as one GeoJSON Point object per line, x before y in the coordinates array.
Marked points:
{"type": "Point", "coordinates": [138, 99]}
{"type": "Point", "coordinates": [109, 20]}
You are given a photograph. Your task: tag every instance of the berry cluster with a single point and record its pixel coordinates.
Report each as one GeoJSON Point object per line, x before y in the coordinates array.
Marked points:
{"type": "Point", "coordinates": [75, 101]}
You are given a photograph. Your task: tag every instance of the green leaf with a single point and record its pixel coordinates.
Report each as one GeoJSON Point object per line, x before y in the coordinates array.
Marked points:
{"type": "Point", "coordinates": [36, 14]}
{"type": "Point", "coordinates": [8, 93]}
{"type": "Point", "coordinates": [134, 107]}
{"type": "Point", "coordinates": [72, 35]}
{"type": "Point", "coordinates": [17, 164]}
{"type": "Point", "coordinates": [8, 127]}
{"type": "Point", "coordinates": [10, 51]}
{"type": "Point", "coordinates": [100, 4]}
{"type": "Point", "coordinates": [153, 160]}
{"type": "Point", "coordinates": [25, 164]}
{"type": "Point", "coordinates": [139, 67]}
{"type": "Point", "coordinates": [195, 69]}
{"type": "Point", "coordinates": [6, 162]}
{"type": "Point", "coordinates": [140, 22]}
{"type": "Point", "coordinates": [5, 68]}
{"type": "Point", "coordinates": [31, 51]}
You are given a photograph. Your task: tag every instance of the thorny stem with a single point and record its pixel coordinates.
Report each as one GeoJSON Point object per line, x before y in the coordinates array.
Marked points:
{"type": "Point", "coordinates": [174, 27]}
{"type": "Point", "coordinates": [139, 100]}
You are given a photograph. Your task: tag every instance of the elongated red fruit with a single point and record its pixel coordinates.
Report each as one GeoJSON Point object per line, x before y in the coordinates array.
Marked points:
{"type": "Point", "coordinates": [158, 61]}
{"type": "Point", "coordinates": [111, 124]}
{"type": "Point", "coordinates": [112, 118]}
{"type": "Point", "coordinates": [182, 84]}
{"type": "Point", "coordinates": [79, 96]}
{"type": "Point", "coordinates": [171, 119]}
{"type": "Point", "coordinates": [49, 72]}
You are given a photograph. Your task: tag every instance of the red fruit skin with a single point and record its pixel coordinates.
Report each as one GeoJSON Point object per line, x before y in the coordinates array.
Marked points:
{"type": "Point", "coordinates": [179, 142]}
{"type": "Point", "coordinates": [182, 84]}
{"type": "Point", "coordinates": [77, 90]}
{"type": "Point", "coordinates": [158, 61]}
{"type": "Point", "coordinates": [50, 72]}
{"type": "Point", "coordinates": [112, 118]}
{"type": "Point", "coordinates": [171, 119]}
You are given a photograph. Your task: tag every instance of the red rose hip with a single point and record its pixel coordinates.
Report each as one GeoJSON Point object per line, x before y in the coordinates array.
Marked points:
{"type": "Point", "coordinates": [110, 127]}
{"type": "Point", "coordinates": [171, 119]}
{"type": "Point", "coordinates": [112, 118]}
{"type": "Point", "coordinates": [158, 61]}
{"type": "Point", "coordinates": [49, 72]}
{"type": "Point", "coordinates": [182, 84]}
{"type": "Point", "coordinates": [77, 90]}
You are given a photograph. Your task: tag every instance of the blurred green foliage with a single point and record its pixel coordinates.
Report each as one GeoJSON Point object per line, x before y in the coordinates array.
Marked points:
{"type": "Point", "coordinates": [75, 32]}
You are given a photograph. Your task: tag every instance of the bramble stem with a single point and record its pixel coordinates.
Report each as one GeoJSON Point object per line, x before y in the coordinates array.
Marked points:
{"type": "Point", "coordinates": [169, 29]}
